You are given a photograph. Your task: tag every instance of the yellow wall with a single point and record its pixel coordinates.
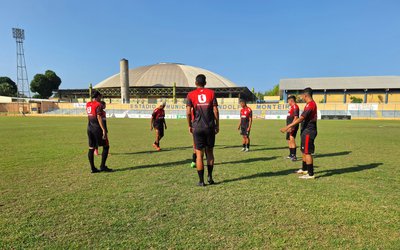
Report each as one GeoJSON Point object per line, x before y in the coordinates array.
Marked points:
{"type": "Point", "coordinates": [376, 98]}
{"type": "Point", "coordinates": [318, 98]}
{"type": "Point", "coordinates": [334, 98]}
{"type": "Point", "coordinates": [394, 98]}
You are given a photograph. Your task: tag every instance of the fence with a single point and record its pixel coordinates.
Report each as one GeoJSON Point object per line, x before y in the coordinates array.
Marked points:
{"type": "Point", "coordinates": [227, 111]}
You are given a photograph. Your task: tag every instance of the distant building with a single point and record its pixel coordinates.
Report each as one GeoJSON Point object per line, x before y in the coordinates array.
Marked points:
{"type": "Point", "coordinates": [370, 89]}
{"type": "Point", "coordinates": [163, 80]}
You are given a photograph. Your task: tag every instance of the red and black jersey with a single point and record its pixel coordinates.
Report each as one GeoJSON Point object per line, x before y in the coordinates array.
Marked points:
{"type": "Point", "coordinates": [293, 112]}
{"type": "Point", "coordinates": [93, 109]}
{"type": "Point", "coordinates": [310, 115]}
{"type": "Point", "coordinates": [245, 114]}
{"type": "Point", "coordinates": [158, 117]}
{"type": "Point", "coordinates": [202, 101]}
{"type": "Point", "coordinates": [103, 116]}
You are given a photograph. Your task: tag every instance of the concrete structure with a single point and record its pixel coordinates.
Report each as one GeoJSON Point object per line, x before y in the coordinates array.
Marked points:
{"type": "Point", "coordinates": [163, 80]}
{"type": "Point", "coordinates": [124, 80]}
{"type": "Point", "coordinates": [370, 89]}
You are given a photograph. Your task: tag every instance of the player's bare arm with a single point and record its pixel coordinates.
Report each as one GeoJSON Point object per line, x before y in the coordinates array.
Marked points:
{"type": "Point", "coordinates": [216, 116]}
{"type": "Point", "coordinates": [151, 122]}
{"type": "Point", "coordinates": [250, 123]}
{"type": "Point", "coordinates": [294, 123]}
{"type": "Point", "coordinates": [100, 119]}
{"type": "Point", "coordinates": [189, 117]}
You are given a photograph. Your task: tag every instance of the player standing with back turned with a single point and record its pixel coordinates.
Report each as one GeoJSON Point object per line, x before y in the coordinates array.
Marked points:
{"type": "Point", "coordinates": [308, 120]}
{"type": "Point", "coordinates": [97, 132]}
{"type": "Point", "coordinates": [204, 126]}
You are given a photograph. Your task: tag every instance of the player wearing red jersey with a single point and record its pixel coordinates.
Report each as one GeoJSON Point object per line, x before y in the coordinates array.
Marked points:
{"type": "Point", "coordinates": [204, 126]}
{"type": "Point", "coordinates": [246, 120]}
{"type": "Point", "coordinates": [158, 123]}
{"type": "Point", "coordinates": [97, 132]}
{"type": "Point", "coordinates": [308, 120]}
{"type": "Point", "coordinates": [292, 116]}
{"type": "Point", "coordinates": [103, 116]}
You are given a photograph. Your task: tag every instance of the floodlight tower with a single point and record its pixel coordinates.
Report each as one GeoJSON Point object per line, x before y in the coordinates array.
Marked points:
{"type": "Point", "coordinates": [22, 74]}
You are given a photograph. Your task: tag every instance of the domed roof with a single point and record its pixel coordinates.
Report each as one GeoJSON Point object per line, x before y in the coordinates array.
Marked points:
{"type": "Point", "coordinates": [165, 75]}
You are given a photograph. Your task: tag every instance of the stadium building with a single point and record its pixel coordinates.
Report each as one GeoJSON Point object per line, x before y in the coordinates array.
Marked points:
{"type": "Point", "coordinates": [367, 89]}
{"type": "Point", "coordinates": [153, 82]}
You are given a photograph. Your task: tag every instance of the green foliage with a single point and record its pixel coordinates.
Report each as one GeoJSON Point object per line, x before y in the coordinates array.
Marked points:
{"type": "Point", "coordinates": [49, 200]}
{"type": "Point", "coordinates": [273, 92]}
{"type": "Point", "coordinates": [355, 99]}
{"type": "Point", "coordinates": [8, 87]}
{"type": "Point", "coordinates": [45, 84]}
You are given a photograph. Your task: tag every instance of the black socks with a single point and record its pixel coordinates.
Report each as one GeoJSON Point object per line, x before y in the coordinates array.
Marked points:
{"type": "Point", "coordinates": [292, 151]}
{"type": "Point", "coordinates": [310, 168]}
{"type": "Point", "coordinates": [244, 145]}
{"type": "Point", "coordinates": [201, 175]}
{"type": "Point", "coordinates": [194, 157]}
{"type": "Point", "coordinates": [210, 170]}
{"type": "Point", "coordinates": [304, 168]}
{"type": "Point", "coordinates": [91, 158]}
{"type": "Point", "coordinates": [104, 155]}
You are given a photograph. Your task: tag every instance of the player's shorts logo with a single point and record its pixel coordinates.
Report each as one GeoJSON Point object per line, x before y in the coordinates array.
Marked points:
{"type": "Point", "coordinates": [202, 98]}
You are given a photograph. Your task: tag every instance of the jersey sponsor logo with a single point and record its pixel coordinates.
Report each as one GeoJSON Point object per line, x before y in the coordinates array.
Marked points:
{"type": "Point", "coordinates": [202, 98]}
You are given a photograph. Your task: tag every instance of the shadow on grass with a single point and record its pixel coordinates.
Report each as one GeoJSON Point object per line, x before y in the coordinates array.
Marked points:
{"type": "Point", "coordinates": [248, 160]}
{"type": "Point", "coordinates": [153, 151]}
{"type": "Point", "coordinates": [260, 175]}
{"type": "Point", "coordinates": [265, 149]}
{"type": "Point", "coordinates": [332, 154]}
{"type": "Point", "coordinates": [358, 168]}
{"type": "Point", "coordinates": [165, 164]}
{"type": "Point", "coordinates": [234, 146]}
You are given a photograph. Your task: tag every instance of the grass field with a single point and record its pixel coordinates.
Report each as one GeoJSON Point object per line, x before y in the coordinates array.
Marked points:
{"type": "Point", "coordinates": [49, 199]}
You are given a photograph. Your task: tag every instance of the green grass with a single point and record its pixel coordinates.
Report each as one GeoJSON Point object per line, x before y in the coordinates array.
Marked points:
{"type": "Point", "coordinates": [49, 199]}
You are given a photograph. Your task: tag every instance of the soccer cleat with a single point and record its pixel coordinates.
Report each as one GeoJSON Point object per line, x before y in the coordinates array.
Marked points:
{"type": "Point", "coordinates": [210, 181]}
{"type": "Point", "coordinates": [95, 170]}
{"type": "Point", "coordinates": [289, 157]}
{"type": "Point", "coordinates": [106, 169]}
{"type": "Point", "coordinates": [301, 171]}
{"type": "Point", "coordinates": [155, 146]}
{"type": "Point", "coordinates": [201, 184]}
{"type": "Point", "coordinates": [294, 158]}
{"type": "Point", "coordinates": [243, 149]}
{"type": "Point", "coordinates": [158, 149]}
{"type": "Point", "coordinates": [96, 151]}
{"type": "Point", "coordinates": [193, 164]}
{"type": "Point", "coordinates": [307, 176]}
{"type": "Point", "coordinates": [246, 150]}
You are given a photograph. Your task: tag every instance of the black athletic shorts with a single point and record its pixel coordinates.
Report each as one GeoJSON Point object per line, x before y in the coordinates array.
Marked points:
{"type": "Point", "coordinates": [160, 129]}
{"type": "Point", "coordinates": [204, 138]}
{"type": "Point", "coordinates": [244, 132]}
{"type": "Point", "coordinates": [293, 133]}
{"type": "Point", "coordinates": [95, 136]}
{"type": "Point", "coordinates": [307, 142]}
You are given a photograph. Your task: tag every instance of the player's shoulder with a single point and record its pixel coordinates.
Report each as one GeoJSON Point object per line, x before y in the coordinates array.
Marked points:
{"type": "Point", "coordinates": [249, 109]}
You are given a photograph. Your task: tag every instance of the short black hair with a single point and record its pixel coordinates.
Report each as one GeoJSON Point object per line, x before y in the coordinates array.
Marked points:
{"type": "Point", "coordinates": [292, 97]}
{"type": "Point", "coordinates": [103, 103]}
{"type": "Point", "coordinates": [242, 100]}
{"type": "Point", "coordinates": [308, 91]}
{"type": "Point", "coordinates": [201, 80]}
{"type": "Point", "coordinates": [95, 94]}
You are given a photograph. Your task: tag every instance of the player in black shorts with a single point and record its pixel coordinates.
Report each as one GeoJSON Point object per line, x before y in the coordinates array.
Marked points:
{"type": "Point", "coordinates": [308, 120]}
{"type": "Point", "coordinates": [204, 126]}
{"type": "Point", "coordinates": [292, 116]}
{"type": "Point", "coordinates": [158, 124]}
{"type": "Point", "coordinates": [246, 120]}
{"type": "Point", "coordinates": [97, 132]}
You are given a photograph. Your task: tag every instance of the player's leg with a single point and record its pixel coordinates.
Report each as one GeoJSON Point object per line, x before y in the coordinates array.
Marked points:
{"type": "Point", "coordinates": [210, 154]}
{"type": "Point", "coordinates": [156, 144]}
{"type": "Point", "coordinates": [160, 135]}
{"type": "Point", "coordinates": [247, 141]}
{"type": "Point", "coordinates": [193, 164]}
{"type": "Point", "coordinates": [308, 151]}
{"type": "Point", "coordinates": [303, 169]}
{"type": "Point", "coordinates": [200, 142]}
{"type": "Point", "coordinates": [292, 147]}
{"type": "Point", "coordinates": [92, 144]}
{"type": "Point", "coordinates": [106, 147]}
{"type": "Point", "coordinates": [289, 145]}
{"type": "Point", "coordinates": [243, 141]}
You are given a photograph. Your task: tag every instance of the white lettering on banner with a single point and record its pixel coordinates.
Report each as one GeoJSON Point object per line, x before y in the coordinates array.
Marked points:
{"type": "Point", "coordinates": [79, 105]}
{"type": "Point", "coordinates": [363, 106]}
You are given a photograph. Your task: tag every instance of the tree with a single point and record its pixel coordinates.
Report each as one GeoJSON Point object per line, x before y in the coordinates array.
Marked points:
{"type": "Point", "coordinates": [273, 92]}
{"type": "Point", "coordinates": [355, 99]}
{"type": "Point", "coordinates": [8, 87]}
{"type": "Point", "coordinates": [45, 84]}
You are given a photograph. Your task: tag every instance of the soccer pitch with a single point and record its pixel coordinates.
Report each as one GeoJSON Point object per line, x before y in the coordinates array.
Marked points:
{"type": "Point", "coordinates": [49, 198]}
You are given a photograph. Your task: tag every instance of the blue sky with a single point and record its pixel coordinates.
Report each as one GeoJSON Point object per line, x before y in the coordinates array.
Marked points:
{"type": "Point", "coordinates": [253, 43]}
